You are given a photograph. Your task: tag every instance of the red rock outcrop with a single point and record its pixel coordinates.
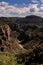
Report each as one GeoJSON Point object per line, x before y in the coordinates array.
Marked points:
{"type": "Point", "coordinates": [8, 32]}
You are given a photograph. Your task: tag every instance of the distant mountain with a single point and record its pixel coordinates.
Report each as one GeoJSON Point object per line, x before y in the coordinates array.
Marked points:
{"type": "Point", "coordinates": [35, 19]}
{"type": "Point", "coordinates": [32, 16]}
{"type": "Point", "coordinates": [27, 19]}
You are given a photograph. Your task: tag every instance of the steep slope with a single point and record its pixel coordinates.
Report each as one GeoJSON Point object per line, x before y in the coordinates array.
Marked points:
{"type": "Point", "coordinates": [7, 42]}
{"type": "Point", "coordinates": [23, 37]}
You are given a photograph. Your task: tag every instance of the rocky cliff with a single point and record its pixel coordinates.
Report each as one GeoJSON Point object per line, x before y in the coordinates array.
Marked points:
{"type": "Point", "coordinates": [7, 43]}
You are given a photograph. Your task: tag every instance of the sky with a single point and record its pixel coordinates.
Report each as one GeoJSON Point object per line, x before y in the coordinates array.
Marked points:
{"type": "Point", "coordinates": [21, 8]}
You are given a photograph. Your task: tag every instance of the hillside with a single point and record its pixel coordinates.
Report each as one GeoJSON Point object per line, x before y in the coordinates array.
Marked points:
{"type": "Point", "coordinates": [23, 39]}
{"type": "Point", "coordinates": [29, 19]}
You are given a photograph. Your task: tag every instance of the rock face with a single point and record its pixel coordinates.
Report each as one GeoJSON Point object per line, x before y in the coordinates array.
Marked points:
{"type": "Point", "coordinates": [5, 31]}
{"type": "Point", "coordinates": [7, 43]}
{"type": "Point", "coordinates": [8, 31]}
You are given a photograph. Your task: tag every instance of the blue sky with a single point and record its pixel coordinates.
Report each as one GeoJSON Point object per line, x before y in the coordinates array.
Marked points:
{"type": "Point", "coordinates": [20, 1]}
{"type": "Point", "coordinates": [9, 8]}
{"type": "Point", "coordinates": [16, 1]}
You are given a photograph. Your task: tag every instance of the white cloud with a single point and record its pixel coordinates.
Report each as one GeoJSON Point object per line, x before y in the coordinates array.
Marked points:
{"type": "Point", "coordinates": [11, 10]}
{"type": "Point", "coordinates": [4, 3]}
{"type": "Point", "coordinates": [41, 10]}
{"type": "Point", "coordinates": [15, 4]}
{"type": "Point", "coordinates": [35, 1]}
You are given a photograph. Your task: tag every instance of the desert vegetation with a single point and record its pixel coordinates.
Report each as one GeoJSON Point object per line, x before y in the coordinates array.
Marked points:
{"type": "Point", "coordinates": [21, 40]}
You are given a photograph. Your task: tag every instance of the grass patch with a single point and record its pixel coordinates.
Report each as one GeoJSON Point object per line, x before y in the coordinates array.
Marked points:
{"type": "Point", "coordinates": [8, 59]}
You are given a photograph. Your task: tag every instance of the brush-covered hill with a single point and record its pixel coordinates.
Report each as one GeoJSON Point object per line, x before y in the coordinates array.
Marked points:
{"type": "Point", "coordinates": [27, 19]}
{"type": "Point", "coordinates": [22, 37]}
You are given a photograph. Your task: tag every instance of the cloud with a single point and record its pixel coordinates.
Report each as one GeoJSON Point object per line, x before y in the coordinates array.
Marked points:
{"type": "Point", "coordinates": [35, 1]}
{"type": "Point", "coordinates": [8, 10]}
{"type": "Point", "coordinates": [4, 3]}
{"type": "Point", "coordinates": [41, 1]}
{"type": "Point", "coordinates": [41, 9]}
{"type": "Point", "coordinates": [41, 5]}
